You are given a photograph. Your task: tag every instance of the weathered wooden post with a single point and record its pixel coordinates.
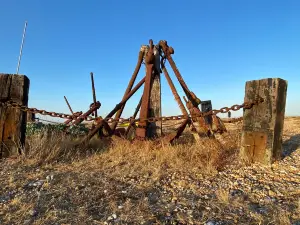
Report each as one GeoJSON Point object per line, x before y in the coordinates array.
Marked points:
{"type": "Point", "coordinates": [205, 107]}
{"type": "Point", "coordinates": [263, 123]}
{"type": "Point", "coordinates": [154, 128]}
{"type": "Point", "coordinates": [30, 117]}
{"type": "Point", "coordinates": [12, 120]}
{"type": "Point", "coordinates": [229, 114]}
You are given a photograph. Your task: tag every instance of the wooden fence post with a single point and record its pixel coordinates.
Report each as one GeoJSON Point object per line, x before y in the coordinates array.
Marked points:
{"type": "Point", "coordinates": [30, 117]}
{"type": "Point", "coordinates": [229, 114]}
{"type": "Point", "coordinates": [205, 107]}
{"type": "Point", "coordinates": [263, 124]}
{"type": "Point", "coordinates": [12, 120]}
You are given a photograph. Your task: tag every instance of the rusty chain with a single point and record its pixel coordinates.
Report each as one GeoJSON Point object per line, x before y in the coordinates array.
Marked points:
{"type": "Point", "coordinates": [245, 105]}
{"type": "Point", "coordinates": [23, 108]}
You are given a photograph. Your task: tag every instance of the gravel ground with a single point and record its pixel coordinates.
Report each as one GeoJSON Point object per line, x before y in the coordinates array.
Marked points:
{"type": "Point", "coordinates": [76, 193]}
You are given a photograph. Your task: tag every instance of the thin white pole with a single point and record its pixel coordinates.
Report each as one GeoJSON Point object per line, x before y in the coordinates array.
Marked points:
{"type": "Point", "coordinates": [21, 49]}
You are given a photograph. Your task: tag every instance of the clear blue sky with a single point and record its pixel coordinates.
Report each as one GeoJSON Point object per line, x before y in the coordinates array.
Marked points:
{"type": "Point", "coordinates": [219, 45]}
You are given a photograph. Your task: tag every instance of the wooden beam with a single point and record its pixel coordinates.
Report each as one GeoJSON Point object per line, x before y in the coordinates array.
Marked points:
{"type": "Point", "coordinates": [206, 106]}
{"type": "Point", "coordinates": [12, 120]}
{"type": "Point", "coordinates": [263, 124]}
{"type": "Point", "coordinates": [155, 128]}
{"type": "Point", "coordinates": [30, 117]}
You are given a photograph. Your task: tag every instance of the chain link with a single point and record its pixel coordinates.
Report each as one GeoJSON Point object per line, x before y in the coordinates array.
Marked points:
{"type": "Point", "coordinates": [245, 105]}
{"type": "Point", "coordinates": [12, 104]}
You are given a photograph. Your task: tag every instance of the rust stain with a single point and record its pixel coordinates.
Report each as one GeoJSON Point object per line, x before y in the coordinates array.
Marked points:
{"type": "Point", "coordinates": [255, 145]}
{"type": "Point", "coordinates": [144, 113]}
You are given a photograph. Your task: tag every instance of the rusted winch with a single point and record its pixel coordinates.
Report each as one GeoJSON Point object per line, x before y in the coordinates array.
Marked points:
{"type": "Point", "coordinates": [192, 114]}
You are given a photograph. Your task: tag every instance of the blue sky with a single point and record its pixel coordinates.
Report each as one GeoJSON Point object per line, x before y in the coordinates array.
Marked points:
{"type": "Point", "coordinates": [219, 45]}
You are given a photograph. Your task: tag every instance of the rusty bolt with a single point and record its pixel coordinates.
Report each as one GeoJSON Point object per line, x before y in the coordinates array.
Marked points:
{"type": "Point", "coordinates": [171, 50]}
{"type": "Point", "coordinates": [150, 58]}
{"type": "Point", "coordinates": [164, 41]}
{"type": "Point", "coordinates": [151, 43]}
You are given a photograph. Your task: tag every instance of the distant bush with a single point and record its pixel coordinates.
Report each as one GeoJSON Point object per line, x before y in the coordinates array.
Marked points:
{"type": "Point", "coordinates": [37, 128]}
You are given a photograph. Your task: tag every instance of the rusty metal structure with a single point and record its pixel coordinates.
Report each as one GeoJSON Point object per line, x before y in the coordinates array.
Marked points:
{"type": "Point", "coordinates": [195, 120]}
{"type": "Point", "coordinates": [202, 124]}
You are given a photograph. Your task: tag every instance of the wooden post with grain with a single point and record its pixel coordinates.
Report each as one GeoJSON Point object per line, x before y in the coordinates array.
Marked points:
{"type": "Point", "coordinates": [263, 124]}
{"type": "Point", "coordinates": [12, 120]}
{"type": "Point", "coordinates": [30, 117]}
{"type": "Point", "coordinates": [206, 106]}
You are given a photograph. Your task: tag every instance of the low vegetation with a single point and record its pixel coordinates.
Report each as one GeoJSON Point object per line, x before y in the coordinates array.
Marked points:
{"type": "Point", "coordinates": [113, 181]}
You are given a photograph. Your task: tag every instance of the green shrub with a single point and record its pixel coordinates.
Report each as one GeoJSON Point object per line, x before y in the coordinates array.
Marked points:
{"type": "Point", "coordinates": [38, 127]}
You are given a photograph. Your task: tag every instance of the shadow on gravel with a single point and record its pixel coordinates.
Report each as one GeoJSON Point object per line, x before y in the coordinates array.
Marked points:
{"type": "Point", "coordinates": [291, 145]}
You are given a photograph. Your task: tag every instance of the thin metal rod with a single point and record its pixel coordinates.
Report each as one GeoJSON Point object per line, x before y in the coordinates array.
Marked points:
{"type": "Point", "coordinates": [173, 89]}
{"type": "Point", "coordinates": [21, 49]}
{"type": "Point", "coordinates": [190, 95]}
{"type": "Point", "coordinates": [39, 119]}
{"type": "Point", "coordinates": [129, 87]}
{"type": "Point", "coordinates": [94, 92]}
{"type": "Point", "coordinates": [117, 107]}
{"type": "Point", "coordinates": [137, 109]}
{"type": "Point", "coordinates": [68, 105]}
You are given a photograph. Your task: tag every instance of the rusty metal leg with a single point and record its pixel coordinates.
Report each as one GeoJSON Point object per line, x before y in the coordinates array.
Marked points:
{"type": "Point", "coordinates": [117, 107]}
{"type": "Point", "coordinates": [173, 89]}
{"type": "Point", "coordinates": [198, 120]}
{"type": "Point", "coordinates": [89, 112]}
{"type": "Point", "coordinates": [75, 116]}
{"type": "Point", "coordinates": [129, 87]}
{"type": "Point", "coordinates": [107, 128]}
{"type": "Point", "coordinates": [171, 137]}
{"type": "Point", "coordinates": [137, 108]}
{"type": "Point", "coordinates": [141, 129]}
{"type": "Point", "coordinates": [168, 51]}
{"type": "Point", "coordinates": [79, 117]}
{"type": "Point", "coordinates": [217, 125]}
{"type": "Point", "coordinates": [68, 105]}
{"type": "Point", "coordinates": [94, 92]}
{"type": "Point", "coordinates": [201, 127]}
{"type": "Point", "coordinates": [134, 116]}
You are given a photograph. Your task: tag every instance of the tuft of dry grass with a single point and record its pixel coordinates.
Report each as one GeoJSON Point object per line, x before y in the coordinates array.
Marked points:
{"type": "Point", "coordinates": [122, 156]}
{"type": "Point", "coordinates": [115, 181]}
{"type": "Point", "coordinates": [223, 196]}
{"type": "Point", "coordinates": [45, 148]}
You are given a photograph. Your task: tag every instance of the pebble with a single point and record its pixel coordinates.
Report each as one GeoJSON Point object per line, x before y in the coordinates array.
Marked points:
{"type": "Point", "coordinates": [49, 177]}
{"type": "Point", "coordinates": [79, 187]}
{"type": "Point", "coordinates": [32, 212]}
{"type": "Point", "coordinates": [38, 183]}
{"type": "Point", "coordinates": [4, 199]}
{"type": "Point", "coordinates": [271, 193]}
{"type": "Point", "coordinates": [110, 218]}
{"type": "Point", "coordinates": [186, 194]}
{"type": "Point", "coordinates": [211, 223]}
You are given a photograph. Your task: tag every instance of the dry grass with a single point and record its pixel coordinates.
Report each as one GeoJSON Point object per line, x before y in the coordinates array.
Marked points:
{"type": "Point", "coordinates": [223, 196]}
{"type": "Point", "coordinates": [55, 147]}
{"type": "Point", "coordinates": [123, 156]}
{"type": "Point", "coordinates": [119, 182]}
